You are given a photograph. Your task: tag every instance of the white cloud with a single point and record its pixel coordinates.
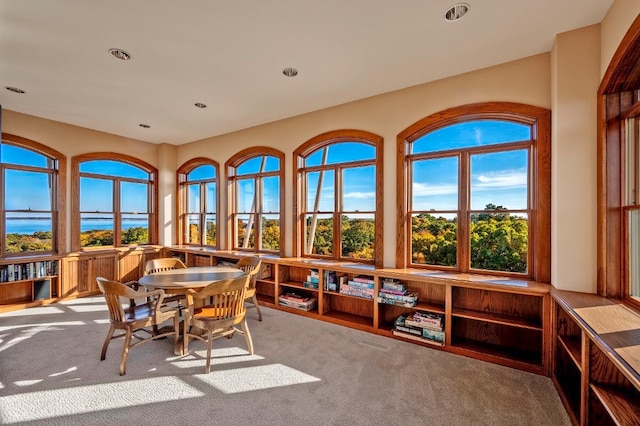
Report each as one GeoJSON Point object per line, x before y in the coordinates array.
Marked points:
{"type": "Point", "coordinates": [500, 180]}
{"type": "Point", "coordinates": [426, 190]}
{"type": "Point", "coordinates": [360, 195]}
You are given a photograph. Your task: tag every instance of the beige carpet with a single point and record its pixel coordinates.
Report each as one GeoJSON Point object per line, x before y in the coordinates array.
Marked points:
{"type": "Point", "coordinates": [304, 372]}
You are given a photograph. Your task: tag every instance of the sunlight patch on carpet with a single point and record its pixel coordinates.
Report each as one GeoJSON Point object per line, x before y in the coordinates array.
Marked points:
{"type": "Point", "coordinates": [255, 378]}
{"type": "Point", "coordinates": [41, 310]}
{"type": "Point", "coordinates": [86, 399]}
{"type": "Point", "coordinates": [220, 356]}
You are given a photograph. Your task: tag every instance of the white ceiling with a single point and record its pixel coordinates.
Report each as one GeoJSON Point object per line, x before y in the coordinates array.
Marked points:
{"type": "Point", "coordinates": [229, 55]}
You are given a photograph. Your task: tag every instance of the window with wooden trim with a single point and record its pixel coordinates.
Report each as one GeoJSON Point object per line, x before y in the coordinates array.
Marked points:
{"type": "Point", "coordinates": [198, 202]}
{"type": "Point", "coordinates": [475, 190]}
{"type": "Point", "coordinates": [339, 204]}
{"type": "Point", "coordinates": [619, 172]}
{"type": "Point", "coordinates": [256, 196]}
{"type": "Point", "coordinates": [115, 199]}
{"type": "Point", "coordinates": [30, 218]}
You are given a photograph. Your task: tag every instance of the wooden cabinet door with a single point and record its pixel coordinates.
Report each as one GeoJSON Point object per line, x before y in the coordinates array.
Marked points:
{"type": "Point", "coordinates": [80, 272]}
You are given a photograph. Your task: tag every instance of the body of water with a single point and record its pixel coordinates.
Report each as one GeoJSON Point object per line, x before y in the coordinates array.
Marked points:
{"type": "Point", "coordinates": [29, 226]}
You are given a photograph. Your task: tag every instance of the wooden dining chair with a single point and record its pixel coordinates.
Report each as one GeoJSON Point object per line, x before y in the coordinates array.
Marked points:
{"type": "Point", "coordinates": [165, 264]}
{"type": "Point", "coordinates": [135, 318]}
{"type": "Point", "coordinates": [251, 266]}
{"type": "Point", "coordinates": [217, 310]}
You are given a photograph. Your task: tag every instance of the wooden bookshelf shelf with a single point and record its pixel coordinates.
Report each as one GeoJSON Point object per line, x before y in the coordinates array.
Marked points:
{"type": "Point", "coordinates": [573, 346]}
{"type": "Point", "coordinates": [497, 319]}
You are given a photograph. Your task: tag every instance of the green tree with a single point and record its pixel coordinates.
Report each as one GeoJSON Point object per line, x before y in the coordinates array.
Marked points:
{"type": "Point", "coordinates": [137, 235]}
{"type": "Point", "coordinates": [499, 241]}
{"type": "Point", "coordinates": [358, 237]}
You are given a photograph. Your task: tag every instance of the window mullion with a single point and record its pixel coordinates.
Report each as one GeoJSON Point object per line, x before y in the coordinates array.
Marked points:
{"type": "Point", "coordinates": [117, 213]}
{"type": "Point", "coordinates": [257, 243]}
{"type": "Point", "coordinates": [337, 213]}
{"type": "Point", "coordinates": [464, 183]}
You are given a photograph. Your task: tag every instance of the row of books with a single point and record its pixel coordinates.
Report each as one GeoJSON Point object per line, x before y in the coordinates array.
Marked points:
{"type": "Point", "coordinates": [28, 271]}
{"type": "Point", "coordinates": [421, 327]}
{"type": "Point", "coordinates": [295, 300]}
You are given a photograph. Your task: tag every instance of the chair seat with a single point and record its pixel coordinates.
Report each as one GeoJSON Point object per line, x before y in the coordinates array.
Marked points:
{"type": "Point", "coordinates": [210, 313]}
{"type": "Point", "coordinates": [147, 310]}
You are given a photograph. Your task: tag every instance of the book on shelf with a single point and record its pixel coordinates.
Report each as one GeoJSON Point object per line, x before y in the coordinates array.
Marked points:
{"type": "Point", "coordinates": [330, 281]}
{"type": "Point", "coordinates": [313, 279]}
{"type": "Point", "coordinates": [310, 284]}
{"type": "Point", "coordinates": [425, 320]}
{"type": "Point", "coordinates": [393, 285]}
{"type": "Point", "coordinates": [297, 297]}
{"type": "Point", "coordinates": [363, 279]}
{"type": "Point", "coordinates": [409, 330]}
{"type": "Point", "coordinates": [396, 292]}
{"type": "Point", "coordinates": [396, 302]}
{"type": "Point", "coordinates": [305, 303]}
{"type": "Point", "coordinates": [416, 338]}
{"type": "Point", "coordinates": [404, 324]}
{"type": "Point", "coordinates": [353, 289]}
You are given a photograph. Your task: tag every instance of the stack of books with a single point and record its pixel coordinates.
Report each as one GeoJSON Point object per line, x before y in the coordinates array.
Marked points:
{"type": "Point", "coordinates": [421, 327]}
{"type": "Point", "coordinates": [303, 302]}
{"type": "Point", "coordinates": [313, 279]}
{"type": "Point", "coordinates": [393, 292]}
{"type": "Point", "coordinates": [360, 286]}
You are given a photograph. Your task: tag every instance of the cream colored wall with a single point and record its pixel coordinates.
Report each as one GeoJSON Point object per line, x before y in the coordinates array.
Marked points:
{"type": "Point", "coordinates": [72, 140]}
{"type": "Point", "coordinates": [575, 76]}
{"type": "Point", "coordinates": [525, 81]}
{"type": "Point", "coordinates": [615, 24]}
{"type": "Point", "coordinates": [167, 167]}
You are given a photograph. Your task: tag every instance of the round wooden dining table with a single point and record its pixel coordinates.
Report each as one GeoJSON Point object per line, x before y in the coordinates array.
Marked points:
{"type": "Point", "coordinates": [183, 281]}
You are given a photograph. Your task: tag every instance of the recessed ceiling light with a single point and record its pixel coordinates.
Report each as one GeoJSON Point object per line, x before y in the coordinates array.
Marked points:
{"type": "Point", "coordinates": [456, 12]}
{"type": "Point", "coordinates": [14, 89]}
{"type": "Point", "coordinates": [290, 72]}
{"type": "Point", "coordinates": [200, 105]}
{"type": "Point", "coordinates": [146, 126]}
{"type": "Point", "coordinates": [120, 54]}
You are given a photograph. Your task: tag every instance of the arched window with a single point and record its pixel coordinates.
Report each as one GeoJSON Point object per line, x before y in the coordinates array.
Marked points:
{"type": "Point", "coordinates": [339, 196]}
{"type": "Point", "coordinates": [115, 199]}
{"type": "Point", "coordinates": [32, 199]}
{"type": "Point", "coordinates": [477, 191]}
{"type": "Point", "coordinates": [198, 202]}
{"type": "Point", "coordinates": [256, 196]}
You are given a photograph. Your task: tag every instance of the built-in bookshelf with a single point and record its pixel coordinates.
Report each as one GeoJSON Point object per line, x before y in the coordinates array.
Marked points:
{"type": "Point", "coordinates": [501, 320]}
{"type": "Point", "coordinates": [29, 281]}
{"type": "Point", "coordinates": [596, 363]}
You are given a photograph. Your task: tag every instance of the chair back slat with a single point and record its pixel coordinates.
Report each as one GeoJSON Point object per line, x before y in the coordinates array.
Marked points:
{"type": "Point", "coordinates": [228, 298]}
{"type": "Point", "coordinates": [250, 265]}
{"type": "Point", "coordinates": [163, 264]}
{"type": "Point", "coordinates": [115, 294]}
